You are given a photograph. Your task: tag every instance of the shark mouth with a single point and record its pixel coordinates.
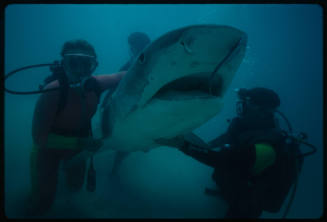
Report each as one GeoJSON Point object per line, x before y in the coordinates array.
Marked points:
{"type": "Point", "coordinates": [194, 86]}
{"type": "Point", "coordinates": [204, 85]}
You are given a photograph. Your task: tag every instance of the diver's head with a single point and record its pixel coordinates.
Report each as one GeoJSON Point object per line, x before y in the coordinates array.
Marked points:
{"type": "Point", "coordinates": [78, 60]}
{"type": "Point", "coordinates": [137, 41]}
{"type": "Point", "coordinates": [256, 102]}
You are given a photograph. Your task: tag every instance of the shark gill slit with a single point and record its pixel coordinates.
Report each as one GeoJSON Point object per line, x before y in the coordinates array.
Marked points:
{"type": "Point", "coordinates": [230, 53]}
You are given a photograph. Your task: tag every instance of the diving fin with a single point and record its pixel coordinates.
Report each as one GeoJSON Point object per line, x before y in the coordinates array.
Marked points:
{"type": "Point", "coordinates": [91, 177]}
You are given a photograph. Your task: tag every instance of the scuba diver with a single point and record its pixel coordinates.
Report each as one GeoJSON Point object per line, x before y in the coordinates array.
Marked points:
{"type": "Point", "coordinates": [255, 162]}
{"type": "Point", "coordinates": [61, 127]}
{"type": "Point", "coordinates": [137, 41]}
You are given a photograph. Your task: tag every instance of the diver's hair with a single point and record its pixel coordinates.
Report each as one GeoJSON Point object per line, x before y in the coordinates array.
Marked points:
{"type": "Point", "coordinates": [139, 40]}
{"type": "Point", "coordinates": [78, 45]}
{"type": "Point", "coordinates": [264, 97]}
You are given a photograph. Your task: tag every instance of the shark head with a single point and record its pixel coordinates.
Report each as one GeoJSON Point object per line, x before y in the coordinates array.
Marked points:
{"type": "Point", "coordinates": [175, 85]}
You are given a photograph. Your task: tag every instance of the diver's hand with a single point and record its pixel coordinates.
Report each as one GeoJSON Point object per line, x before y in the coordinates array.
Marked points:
{"type": "Point", "coordinates": [90, 144]}
{"type": "Point", "coordinates": [177, 141]}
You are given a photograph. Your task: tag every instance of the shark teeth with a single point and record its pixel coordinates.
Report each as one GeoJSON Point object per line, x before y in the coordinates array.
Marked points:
{"type": "Point", "coordinates": [183, 95]}
{"type": "Point", "coordinates": [192, 86]}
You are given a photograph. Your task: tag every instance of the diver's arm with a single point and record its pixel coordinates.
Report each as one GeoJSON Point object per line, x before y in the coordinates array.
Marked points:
{"type": "Point", "coordinates": [208, 156]}
{"type": "Point", "coordinates": [201, 151]}
{"type": "Point", "coordinates": [225, 157]}
{"type": "Point", "coordinates": [109, 81]}
{"type": "Point", "coordinates": [221, 140]}
{"type": "Point", "coordinates": [44, 116]}
{"type": "Point", "coordinates": [126, 66]}
{"type": "Point", "coordinates": [205, 156]}
{"type": "Point", "coordinates": [226, 137]}
{"type": "Point", "coordinates": [192, 146]}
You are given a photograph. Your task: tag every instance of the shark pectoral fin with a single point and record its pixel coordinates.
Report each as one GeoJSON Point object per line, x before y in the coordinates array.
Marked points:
{"type": "Point", "coordinates": [97, 130]}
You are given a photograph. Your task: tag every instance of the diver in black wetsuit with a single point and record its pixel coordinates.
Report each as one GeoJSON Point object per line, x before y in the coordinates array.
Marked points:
{"type": "Point", "coordinates": [254, 167]}
{"type": "Point", "coordinates": [137, 41]}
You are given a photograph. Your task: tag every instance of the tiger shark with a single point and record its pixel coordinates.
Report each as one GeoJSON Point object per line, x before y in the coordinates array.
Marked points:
{"type": "Point", "coordinates": [174, 86]}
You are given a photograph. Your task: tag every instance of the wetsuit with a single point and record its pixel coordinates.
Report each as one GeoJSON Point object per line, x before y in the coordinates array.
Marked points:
{"type": "Point", "coordinates": [254, 173]}
{"type": "Point", "coordinates": [56, 134]}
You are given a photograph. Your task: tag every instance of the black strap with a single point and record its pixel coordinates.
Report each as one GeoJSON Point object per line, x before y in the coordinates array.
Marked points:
{"type": "Point", "coordinates": [63, 82]}
{"type": "Point", "coordinates": [63, 93]}
{"type": "Point", "coordinates": [90, 85]}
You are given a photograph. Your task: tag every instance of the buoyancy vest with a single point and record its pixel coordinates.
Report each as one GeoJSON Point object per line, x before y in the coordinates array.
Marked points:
{"type": "Point", "coordinates": [91, 85]}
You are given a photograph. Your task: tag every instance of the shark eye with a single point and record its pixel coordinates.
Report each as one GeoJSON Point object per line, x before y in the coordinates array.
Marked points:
{"type": "Point", "coordinates": [141, 58]}
{"type": "Point", "coordinates": [187, 49]}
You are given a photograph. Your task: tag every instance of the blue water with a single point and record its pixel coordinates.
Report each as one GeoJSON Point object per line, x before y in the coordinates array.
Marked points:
{"type": "Point", "coordinates": [284, 53]}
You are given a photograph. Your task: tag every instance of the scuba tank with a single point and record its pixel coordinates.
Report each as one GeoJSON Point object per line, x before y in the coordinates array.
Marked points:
{"type": "Point", "coordinates": [294, 142]}
{"type": "Point", "coordinates": [298, 139]}
{"type": "Point", "coordinates": [91, 177]}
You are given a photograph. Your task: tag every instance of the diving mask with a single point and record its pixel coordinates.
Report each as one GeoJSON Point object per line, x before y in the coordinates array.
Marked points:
{"type": "Point", "coordinates": [78, 65]}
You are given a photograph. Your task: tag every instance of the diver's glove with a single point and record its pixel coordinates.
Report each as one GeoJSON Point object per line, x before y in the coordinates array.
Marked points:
{"type": "Point", "coordinates": [90, 144]}
{"type": "Point", "coordinates": [178, 142]}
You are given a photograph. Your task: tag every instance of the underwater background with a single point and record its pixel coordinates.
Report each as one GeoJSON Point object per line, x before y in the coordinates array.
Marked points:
{"type": "Point", "coordinates": [284, 53]}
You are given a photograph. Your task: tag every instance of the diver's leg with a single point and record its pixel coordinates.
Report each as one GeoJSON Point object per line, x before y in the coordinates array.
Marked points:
{"type": "Point", "coordinates": [44, 176]}
{"type": "Point", "coordinates": [120, 156]}
{"type": "Point", "coordinates": [75, 174]}
{"type": "Point", "coordinates": [246, 206]}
